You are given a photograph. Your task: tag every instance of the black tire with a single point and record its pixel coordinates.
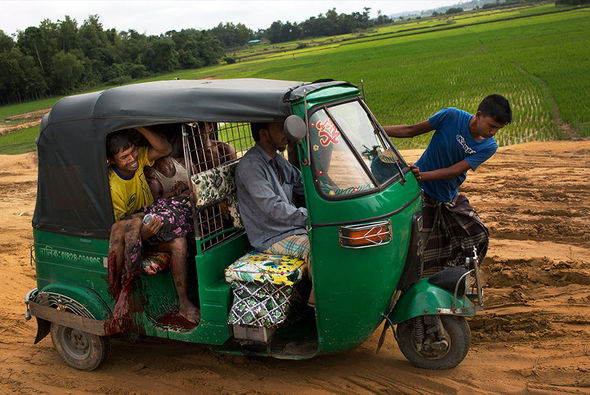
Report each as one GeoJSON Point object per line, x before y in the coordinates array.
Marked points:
{"type": "Point", "coordinates": [459, 338]}
{"type": "Point", "coordinates": [78, 349]}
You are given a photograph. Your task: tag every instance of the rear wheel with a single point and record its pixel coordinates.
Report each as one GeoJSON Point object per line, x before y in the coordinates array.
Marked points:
{"type": "Point", "coordinates": [80, 350]}
{"type": "Point", "coordinates": [434, 342]}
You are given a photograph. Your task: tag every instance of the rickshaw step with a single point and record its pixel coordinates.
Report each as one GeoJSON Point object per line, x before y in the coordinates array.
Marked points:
{"type": "Point", "coordinates": [215, 301]}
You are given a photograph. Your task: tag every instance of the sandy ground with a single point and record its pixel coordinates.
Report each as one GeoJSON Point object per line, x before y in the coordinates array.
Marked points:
{"type": "Point", "coordinates": [533, 335]}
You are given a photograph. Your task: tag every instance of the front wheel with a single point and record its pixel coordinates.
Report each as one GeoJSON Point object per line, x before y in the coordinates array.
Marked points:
{"type": "Point", "coordinates": [434, 342]}
{"type": "Point", "coordinates": [79, 349]}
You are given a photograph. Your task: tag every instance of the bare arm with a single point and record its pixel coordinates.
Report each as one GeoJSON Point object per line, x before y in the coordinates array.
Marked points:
{"type": "Point", "coordinates": [402, 131]}
{"type": "Point", "coordinates": [159, 146]}
{"type": "Point", "coordinates": [445, 173]}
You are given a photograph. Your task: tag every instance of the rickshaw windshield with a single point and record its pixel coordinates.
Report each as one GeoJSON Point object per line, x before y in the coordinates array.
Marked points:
{"type": "Point", "coordinates": [349, 154]}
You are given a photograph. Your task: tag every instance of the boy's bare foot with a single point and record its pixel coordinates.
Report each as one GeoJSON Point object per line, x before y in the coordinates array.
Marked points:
{"type": "Point", "coordinates": [190, 313]}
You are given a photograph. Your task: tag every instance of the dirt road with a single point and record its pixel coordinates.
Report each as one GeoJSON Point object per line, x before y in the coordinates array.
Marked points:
{"type": "Point", "coordinates": [533, 336]}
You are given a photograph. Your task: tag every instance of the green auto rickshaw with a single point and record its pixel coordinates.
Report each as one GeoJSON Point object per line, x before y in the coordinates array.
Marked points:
{"type": "Point", "coordinates": [364, 229]}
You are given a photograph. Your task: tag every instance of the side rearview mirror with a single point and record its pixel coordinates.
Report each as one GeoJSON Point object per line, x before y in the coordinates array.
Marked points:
{"type": "Point", "coordinates": [295, 128]}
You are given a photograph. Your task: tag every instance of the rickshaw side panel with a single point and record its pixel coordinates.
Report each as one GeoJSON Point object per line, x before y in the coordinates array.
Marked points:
{"type": "Point", "coordinates": [353, 287]}
{"type": "Point", "coordinates": [74, 267]}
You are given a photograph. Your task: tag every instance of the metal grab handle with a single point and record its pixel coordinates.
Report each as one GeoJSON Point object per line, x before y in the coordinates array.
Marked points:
{"type": "Point", "coordinates": [457, 289]}
{"type": "Point", "coordinates": [475, 261]}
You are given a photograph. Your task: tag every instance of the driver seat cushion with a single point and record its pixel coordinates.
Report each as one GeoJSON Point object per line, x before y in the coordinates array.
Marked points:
{"type": "Point", "coordinates": [259, 267]}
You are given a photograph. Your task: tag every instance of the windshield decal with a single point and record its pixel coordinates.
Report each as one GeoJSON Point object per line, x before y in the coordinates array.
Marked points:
{"type": "Point", "coordinates": [327, 132]}
{"type": "Point", "coordinates": [338, 140]}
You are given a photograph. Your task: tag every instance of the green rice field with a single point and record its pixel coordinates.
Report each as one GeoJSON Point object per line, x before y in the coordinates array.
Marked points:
{"type": "Point", "coordinates": [540, 62]}
{"type": "Point", "coordinates": [19, 142]}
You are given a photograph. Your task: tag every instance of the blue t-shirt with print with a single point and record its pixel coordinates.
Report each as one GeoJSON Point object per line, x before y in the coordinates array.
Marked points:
{"type": "Point", "coordinates": [452, 143]}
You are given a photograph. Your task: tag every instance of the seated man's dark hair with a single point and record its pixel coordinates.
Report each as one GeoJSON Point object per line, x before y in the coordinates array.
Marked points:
{"type": "Point", "coordinates": [118, 141]}
{"type": "Point", "coordinates": [497, 107]}
{"type": "Point", "coordinates": [256, 127]}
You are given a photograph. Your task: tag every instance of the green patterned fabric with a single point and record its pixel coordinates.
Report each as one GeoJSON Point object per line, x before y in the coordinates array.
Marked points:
{"type": "Point", "coordinates": [262, 304]}
{"type": "Point", "coordinates": [265, 288]}
{"type": "Point", "coordinates": [232, 206]}
{"type": "Point", "coordinates": [215, 185]}
{"type": "Point", "coordinates": [264, 268]}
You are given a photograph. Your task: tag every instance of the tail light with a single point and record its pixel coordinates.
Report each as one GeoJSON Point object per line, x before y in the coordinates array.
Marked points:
{"type": "Point", "coordinates": [365, 235]}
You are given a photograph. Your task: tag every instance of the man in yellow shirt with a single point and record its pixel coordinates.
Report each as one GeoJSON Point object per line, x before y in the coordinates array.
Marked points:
{"type": "Point", "coordinates": [130, 192]}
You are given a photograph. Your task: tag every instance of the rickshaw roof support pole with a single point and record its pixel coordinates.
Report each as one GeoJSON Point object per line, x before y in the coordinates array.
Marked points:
{"type": "Point", "coordinates": [363, 89]}
{"type": "Point", "coordinates": [306, 161]}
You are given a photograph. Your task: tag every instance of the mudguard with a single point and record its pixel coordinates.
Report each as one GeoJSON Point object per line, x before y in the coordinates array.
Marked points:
{"type": "Point", "coordinates": [82, 301]}
{"type": "Point", "coordinates": [86, 299]}
{"type": "Point", "coordinates": [424, 298]}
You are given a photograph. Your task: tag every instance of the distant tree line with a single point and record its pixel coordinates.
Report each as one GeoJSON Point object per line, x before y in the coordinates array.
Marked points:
{"type": "Point", "coordinates": [509, 3]}
{"type": "Point", "coordinates": [450, 11]}
{"type": "Point", "coordinates": [57, 58]}
{"type": "Point", "coordinates": [572, 2]}
{"type": "Point", "coordinates": [329, 24]}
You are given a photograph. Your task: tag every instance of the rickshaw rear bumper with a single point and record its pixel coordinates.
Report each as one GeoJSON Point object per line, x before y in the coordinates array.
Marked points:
{"type": "Point", "coordinates": [46, 315]}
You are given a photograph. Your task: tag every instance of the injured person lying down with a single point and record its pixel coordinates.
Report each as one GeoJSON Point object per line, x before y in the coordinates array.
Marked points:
{"type": "Point", "coordinates": [170, 223]}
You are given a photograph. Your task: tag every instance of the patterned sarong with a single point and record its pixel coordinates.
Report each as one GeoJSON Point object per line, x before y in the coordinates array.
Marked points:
{"type": "Point", "coordinates": [176, 217]}
{"type": "Point", "coordinates": [451, 229]}
{"type": "Point", "coordinates": [294, 245]}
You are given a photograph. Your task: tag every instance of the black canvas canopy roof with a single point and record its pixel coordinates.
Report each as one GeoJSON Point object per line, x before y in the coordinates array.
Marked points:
{"type": "Point", "coordinates": [73, 195]}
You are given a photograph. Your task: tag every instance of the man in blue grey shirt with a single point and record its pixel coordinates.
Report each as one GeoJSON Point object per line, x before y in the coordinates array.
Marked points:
{"type": "Point", "coordinates": [265, 183]}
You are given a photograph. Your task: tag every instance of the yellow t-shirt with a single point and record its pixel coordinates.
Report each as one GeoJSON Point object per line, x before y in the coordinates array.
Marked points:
{"type": "Point", "coordinates": [129, 195]}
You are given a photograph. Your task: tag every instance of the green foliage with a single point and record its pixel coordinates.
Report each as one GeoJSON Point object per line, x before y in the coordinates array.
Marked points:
{"type": "Point", "coordinates": [67, 71]}
{"type": "Point", "coordinates": [572, 2]}
{"type": "Point", "coordinates": [229, 59]}
{"type": "Point", "coordinates": [6, 42]}
{"type": "Point", "coordinates": [60, 58]}
{"type": "Point", "coordinates": [20, 77]}
{"type": "Point", "coordinates": [232, 35]}
{"type": "Point", "coordinates": [161, 56]}
{"type": "Point", "coordinates": [454, 10]}
{"type": "Point", "coordinates": [281, 32]}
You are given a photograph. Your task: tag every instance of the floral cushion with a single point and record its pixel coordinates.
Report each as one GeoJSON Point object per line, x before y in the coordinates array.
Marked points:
{"type": "Point", "coordinates": [217, 184]}
{"type": "Point", "coordinates": [265, 268]}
